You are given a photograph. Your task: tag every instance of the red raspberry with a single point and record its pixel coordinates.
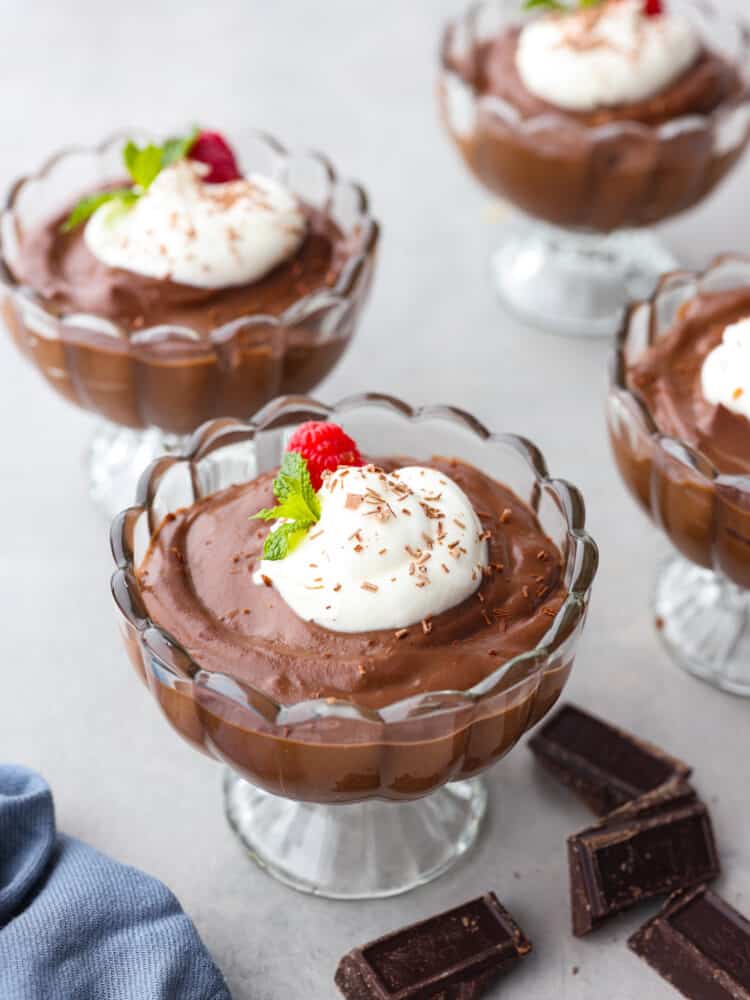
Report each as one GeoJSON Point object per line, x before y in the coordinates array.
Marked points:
{"type": "Point", "coordinates": [213, 150]}
{"type": "Point", "coordinates": [653, 8]}
{"type": "Point", "coordinates": [325, 447]}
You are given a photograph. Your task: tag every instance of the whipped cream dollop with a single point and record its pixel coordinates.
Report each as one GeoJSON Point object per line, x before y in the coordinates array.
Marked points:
{"type": "Point", "coordinates": [604, 56]}
{"type": "Point", "coordinates": [390, 550]}
{"type": "Point", "coordinates": [725, 376]}
{"type": "Point", "coordinates": [193, 233]}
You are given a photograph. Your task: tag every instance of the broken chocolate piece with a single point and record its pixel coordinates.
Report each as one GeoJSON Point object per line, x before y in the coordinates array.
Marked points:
{"type": "Point", "coordinates": [674, 792]}
{"type": "Point", "coordinates": [604, 766]}
{"type": "Point", "coordinates": [455, 954]}
{"type": "Point", "coordinates": [699, 944]}
{"type": "Point", "coordinates": [646, 851]}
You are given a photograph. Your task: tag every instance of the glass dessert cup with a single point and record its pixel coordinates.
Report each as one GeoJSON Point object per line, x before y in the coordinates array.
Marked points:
{"type": "Point", "coordinates": [153, 388]}
{"type": "Point", "coordinates": [582, 248]}
{"type": "Point", "coordinates": [702, 595]}
{"type": "Point", "coordinates": [331, 798]}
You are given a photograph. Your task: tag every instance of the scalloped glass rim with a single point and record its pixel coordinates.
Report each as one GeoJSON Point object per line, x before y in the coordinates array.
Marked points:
{"type": "Point", "coordinates": [643, 315]}
{"type": "Point", "coordinates": [553, 120]}
{"type": "Point", "coordinates": [581, 563]}
{"type": "Point", "coordinates": [292, 315]}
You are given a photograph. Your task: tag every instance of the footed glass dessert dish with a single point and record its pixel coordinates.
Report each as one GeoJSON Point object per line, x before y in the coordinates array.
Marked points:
{"type": "Point", "coordinates": [587, 187]}
{"type": "Point", "coordinates": [702, 595]}
{"type": "Point", "coordinates": [152, 384]}
{"type": "Point", "coordinates": [329, 796]}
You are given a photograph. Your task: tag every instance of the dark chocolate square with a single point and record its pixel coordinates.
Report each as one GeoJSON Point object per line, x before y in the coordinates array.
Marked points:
{"type": "Point", "coordinates": [700, 944]}
{"type": "Point", "coordinates": [640, 853]}
{"type": "Point", "coordinates": [603, 765]}
{"type": "Point", "coordinates": [458, 953]}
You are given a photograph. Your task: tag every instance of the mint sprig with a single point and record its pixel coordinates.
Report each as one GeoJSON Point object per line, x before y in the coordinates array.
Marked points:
{"type": "Point", "coordinates": [558, 5]}
{"type": "Point", "coordinates": [298, 507]}
{"type": "Point", "coordinates": [143, 164]}
{"type": "Point", "coordinates": [87, 206]}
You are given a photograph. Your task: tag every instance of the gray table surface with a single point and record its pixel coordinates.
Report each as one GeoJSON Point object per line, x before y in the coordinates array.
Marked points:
{"type": "Point", "coordinates": [354, 79]}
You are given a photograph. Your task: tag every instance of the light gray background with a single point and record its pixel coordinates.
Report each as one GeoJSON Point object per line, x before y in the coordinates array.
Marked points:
{"type": "Point", "coordinates": [354, 78]}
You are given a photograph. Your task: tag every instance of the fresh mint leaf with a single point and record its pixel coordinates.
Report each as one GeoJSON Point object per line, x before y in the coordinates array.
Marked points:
{"type": "Point", "coordinates": [546, 4]}
{"type": "Point", "coordinates": [129, 156]}
{"type": "Point", "coordinates": [86, 207]}
{"type": "Point", "coordinates": [266, 514]}
{"type": "Point", "coordinates": [177, 148]}
{"type": "Point", "coordinates": [298, 507]}
{"type": "Point", "coordinates": [294, 478]}
{"type": "Point", "coordinates": [557, 5]}
{"type": "Point", "coordinates": [287, 479]}
{"type": "Point", "coordinates": [294, 508]}
{"type": "Point", "coordinates": [284, 539]}
{"type": "Point", "coordinates": [143, 163]}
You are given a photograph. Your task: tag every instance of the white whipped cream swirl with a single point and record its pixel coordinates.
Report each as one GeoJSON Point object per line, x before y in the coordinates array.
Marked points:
{"type": "Point", "coordinates": [604, 56]}
{"type": "Point", "coordinates": [204, 235]}
{"type": "Point", "coordinates": [390, 551]}
{"type": "Point", "coordinates": [725, 376]}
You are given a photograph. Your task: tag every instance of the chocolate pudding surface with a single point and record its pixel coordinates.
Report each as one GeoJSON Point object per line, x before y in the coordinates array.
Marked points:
{"type": "Point", "coordinates": [667, 378]}
{"type": "Point", "coordinates": [68, 278]}
{"type": "Point", "coordinates": [705, 85]}
{"type": "Point", "coordinates": [197, 584]}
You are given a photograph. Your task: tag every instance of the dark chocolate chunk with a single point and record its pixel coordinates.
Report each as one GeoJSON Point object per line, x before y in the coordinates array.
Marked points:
{"type": "Point", "coordinates": [700, 944]}
{"type": "Point", "coordinates": [643, 851]}
{"type": "Point", "coordinates": [455, 955]}
{"type": "Point", "coordinates": [674, 792]}
{"type": "Point", "coordinates": [604, 766]}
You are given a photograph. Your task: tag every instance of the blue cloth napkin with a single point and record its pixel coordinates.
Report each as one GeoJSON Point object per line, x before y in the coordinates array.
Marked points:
{"type": "Point", "coordinates": [75, 925]}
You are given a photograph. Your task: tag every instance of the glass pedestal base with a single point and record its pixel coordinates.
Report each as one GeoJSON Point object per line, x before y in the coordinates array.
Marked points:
{"type": "Point", "coordinates": [704, 621]}
{"type": "Point", "coordinates": [116, 457]}
{"type": "Point", "coordinates": [362, 851]}
{"type": "Point", "coordinates": [576, 284]}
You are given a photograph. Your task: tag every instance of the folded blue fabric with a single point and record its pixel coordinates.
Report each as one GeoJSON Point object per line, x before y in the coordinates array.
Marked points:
{"type": "Point", "coordinates": [75, 925]}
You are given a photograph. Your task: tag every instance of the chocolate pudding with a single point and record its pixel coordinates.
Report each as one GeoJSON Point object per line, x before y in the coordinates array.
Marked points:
{"type": "Point", "coordinates": [667, 379]}
{"type": "Point", "coordinates": [706, 84]}
{"type": "Point", "coordinates": [701, 498]}
{"type": "Point", "coordinates": [603, 167]}
{"type": "Point", "coordinates": [67, 278]}
{"type": "Point", "coordinates": [143, 348]}
{"type": "Point", "coordinates": [197, 584]}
